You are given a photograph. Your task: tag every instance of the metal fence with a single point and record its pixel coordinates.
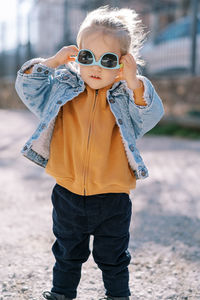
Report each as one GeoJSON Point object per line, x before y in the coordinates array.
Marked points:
{"type": "Point", "coordinates": [172, 46]}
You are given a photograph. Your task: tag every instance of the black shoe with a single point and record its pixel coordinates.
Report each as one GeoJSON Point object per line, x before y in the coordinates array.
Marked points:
{"type": "Point", "coordinates": [54, 296]}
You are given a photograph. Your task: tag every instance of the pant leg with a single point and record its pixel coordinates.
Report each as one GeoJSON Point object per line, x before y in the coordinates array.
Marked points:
{"type": "Point", "coordinates": [110, 248]}
{"type": "Point", "coordinates": [71, 247]}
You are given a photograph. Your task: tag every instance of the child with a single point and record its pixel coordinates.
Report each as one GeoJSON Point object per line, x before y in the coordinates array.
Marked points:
{"type": "Point", "coordinates": [90, 118]}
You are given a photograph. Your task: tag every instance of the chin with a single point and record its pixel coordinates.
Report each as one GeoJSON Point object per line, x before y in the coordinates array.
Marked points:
{"type": "Point", "coordinates": [96, 86]}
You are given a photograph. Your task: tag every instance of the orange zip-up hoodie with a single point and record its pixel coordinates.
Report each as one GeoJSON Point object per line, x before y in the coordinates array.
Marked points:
{"type": "Point", "coordinates": [87, 155]}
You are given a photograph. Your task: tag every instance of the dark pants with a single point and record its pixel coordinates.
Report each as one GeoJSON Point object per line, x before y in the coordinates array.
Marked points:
{"type": "Point", "coordinates": [75, 218]}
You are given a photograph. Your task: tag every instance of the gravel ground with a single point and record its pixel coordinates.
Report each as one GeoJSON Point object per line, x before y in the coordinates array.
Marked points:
{"type": "Point", "coordinates": [165, 228]}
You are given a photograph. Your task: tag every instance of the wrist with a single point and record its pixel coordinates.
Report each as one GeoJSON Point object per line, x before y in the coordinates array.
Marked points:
{"type": "Point", "coordinates": [134, 83]}
{"type": "Point", "coordinates": [51, 62]}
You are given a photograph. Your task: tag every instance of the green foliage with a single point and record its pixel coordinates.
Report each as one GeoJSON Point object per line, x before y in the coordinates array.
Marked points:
{"type": "Point", "coordinates": [175, 130]}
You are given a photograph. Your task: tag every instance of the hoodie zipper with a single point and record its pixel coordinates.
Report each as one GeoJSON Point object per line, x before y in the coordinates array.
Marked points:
{"type": "Point", "coordinates": [88, 141]}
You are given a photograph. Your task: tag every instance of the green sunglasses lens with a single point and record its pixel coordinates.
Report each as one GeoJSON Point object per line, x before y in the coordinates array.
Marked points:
{"type": "Point", "coordinates": [85, 57]}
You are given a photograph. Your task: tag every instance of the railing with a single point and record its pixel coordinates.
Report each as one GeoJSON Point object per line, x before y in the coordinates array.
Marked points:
{"type": "Point", "coordinates": [165, 55]}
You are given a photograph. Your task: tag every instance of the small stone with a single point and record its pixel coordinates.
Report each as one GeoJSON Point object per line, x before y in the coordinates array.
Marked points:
{"type": "Point", "coordinates": [148, 267]}
{"type": "Point", "coordinates": [170, 296]}
{"type": "Point", "coordinates": [13, 285]}
{"type": "Point", "coordinates": [24, 289]}
{"type": "Point", "coordinates": [138, 276]}
{"type": "Point", "coordinates": [159, 261]}
{"type": "Point", "coordinates": [152, 271]}
{"type": "Point", "coordinates": [141, 294]}
{"type": "Point", "coordinates": [7, 295]}
{"type": "Point", "coordinates": [30, 275]}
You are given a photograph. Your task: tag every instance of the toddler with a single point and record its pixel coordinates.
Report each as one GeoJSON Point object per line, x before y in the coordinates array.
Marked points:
{"type": "Point", "coordinates": [91, 113]}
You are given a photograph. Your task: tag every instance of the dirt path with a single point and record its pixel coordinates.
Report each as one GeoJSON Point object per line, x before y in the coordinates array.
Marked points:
{"type": "Point", "coordinates": [165, 230]}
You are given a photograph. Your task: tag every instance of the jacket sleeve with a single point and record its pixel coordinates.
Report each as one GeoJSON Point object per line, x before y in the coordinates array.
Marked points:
{"type": "Point", "coordinates": [150, 114]}
{"type": "Point", "coordinates": [34, 89]}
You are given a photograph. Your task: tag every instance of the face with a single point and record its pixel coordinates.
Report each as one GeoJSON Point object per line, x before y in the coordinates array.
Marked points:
{"type": "Point", "coordinates": [95, 76]}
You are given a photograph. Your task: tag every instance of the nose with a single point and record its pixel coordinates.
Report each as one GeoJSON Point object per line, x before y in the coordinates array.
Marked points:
{"type": "Point", "coordinates": [96, 68]}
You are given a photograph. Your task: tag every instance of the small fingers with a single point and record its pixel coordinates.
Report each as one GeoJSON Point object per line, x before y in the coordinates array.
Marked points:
{"type": "Point", "coordinates": [124, 59]}
{"type": "Point", "coordinates": [128, 60]}
{"type": "Point", "coordinates": [73, 50]}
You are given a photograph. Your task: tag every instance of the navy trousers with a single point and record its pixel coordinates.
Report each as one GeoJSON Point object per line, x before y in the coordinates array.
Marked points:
{"type": "Point", "coordinates": [75, 218]}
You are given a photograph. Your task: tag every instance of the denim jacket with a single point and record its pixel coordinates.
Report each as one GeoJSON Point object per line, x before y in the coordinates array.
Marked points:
{"type": "Point", "coordinates": [45, 90]}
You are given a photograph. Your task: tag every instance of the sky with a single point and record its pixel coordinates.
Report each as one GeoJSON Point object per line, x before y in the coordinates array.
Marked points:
{"type": "Point", "coordinates": [7, 10]}
{"type": "Point", "coordinates": [8, 22]}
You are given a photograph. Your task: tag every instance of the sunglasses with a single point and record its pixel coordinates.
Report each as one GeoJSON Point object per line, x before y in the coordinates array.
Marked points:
{"type": "Point", "coordinates": [108, 60]}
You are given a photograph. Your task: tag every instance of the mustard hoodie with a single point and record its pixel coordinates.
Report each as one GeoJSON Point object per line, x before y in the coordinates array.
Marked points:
{"type": "Point", "coordinates": [87, 155]}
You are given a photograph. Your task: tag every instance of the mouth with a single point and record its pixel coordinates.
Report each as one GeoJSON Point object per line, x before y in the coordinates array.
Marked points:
{"type": "Point", "coordinates": [95, 77]}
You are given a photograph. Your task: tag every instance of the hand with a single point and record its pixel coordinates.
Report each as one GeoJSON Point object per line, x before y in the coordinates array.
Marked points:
{"type": "Point", "coordinates": [63, 56]}
{"type": "Point", "coordinates": [128, 71]}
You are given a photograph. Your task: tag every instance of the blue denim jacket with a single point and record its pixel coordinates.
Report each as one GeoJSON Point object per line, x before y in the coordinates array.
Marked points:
{"type": "Point", "coordinates": [45, 90]}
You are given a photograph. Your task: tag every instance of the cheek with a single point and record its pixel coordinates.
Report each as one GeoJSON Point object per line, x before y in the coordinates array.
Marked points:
{"type": "Point", "coordinates": [82, 70]}
{"type": "Point", "coordinates": [113, 74]}
{"type": "Point", "coordinates": [117, 73]}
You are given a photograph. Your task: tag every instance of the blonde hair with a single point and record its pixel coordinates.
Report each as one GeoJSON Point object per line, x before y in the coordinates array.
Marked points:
{"type": "Point", "coordinates": [123, 23]}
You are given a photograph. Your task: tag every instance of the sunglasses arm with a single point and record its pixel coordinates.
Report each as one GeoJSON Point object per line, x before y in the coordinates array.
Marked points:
{"type": "Point", "coordinates": [71, 58]}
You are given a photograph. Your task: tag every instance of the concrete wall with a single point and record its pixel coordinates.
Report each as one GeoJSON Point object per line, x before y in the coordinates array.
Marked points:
{"type": "Point", "coordinates": [8, 95]}
{"type": "Point", "coordinates": [179, 95]}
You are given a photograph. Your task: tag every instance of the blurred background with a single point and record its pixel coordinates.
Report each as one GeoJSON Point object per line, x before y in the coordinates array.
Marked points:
{"type": "Point", "coordinates": [38, 28]}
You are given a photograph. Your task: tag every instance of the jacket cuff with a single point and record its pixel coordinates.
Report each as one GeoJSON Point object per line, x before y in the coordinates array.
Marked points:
{"type": "Point", "coordinates": [30, 63]}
